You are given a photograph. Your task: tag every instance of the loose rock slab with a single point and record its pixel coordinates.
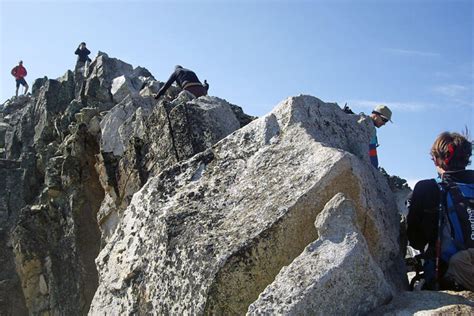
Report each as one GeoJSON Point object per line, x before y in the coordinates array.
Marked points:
{"type": "Point", "coordinates": [334, 275]}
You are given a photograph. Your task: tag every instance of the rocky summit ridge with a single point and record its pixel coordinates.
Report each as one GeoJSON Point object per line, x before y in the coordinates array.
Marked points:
{"type": "Point", "coordinates": [114, 203]}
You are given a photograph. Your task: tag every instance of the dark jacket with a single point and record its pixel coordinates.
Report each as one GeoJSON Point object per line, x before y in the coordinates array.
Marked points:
{"type": "Point", "coordinates": [423, 205]}
{"type": "Point", "coordinates": [83, 54]}
{"type": "Point", "coordinates": [182, 76]}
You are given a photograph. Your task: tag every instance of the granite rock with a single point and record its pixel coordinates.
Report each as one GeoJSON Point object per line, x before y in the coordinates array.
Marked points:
{"type": "Point", "coordinates": [209, 234]}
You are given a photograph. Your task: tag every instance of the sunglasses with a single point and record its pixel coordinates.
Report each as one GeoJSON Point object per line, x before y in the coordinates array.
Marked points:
{"type": "Point", "coordinates": [383, 119]}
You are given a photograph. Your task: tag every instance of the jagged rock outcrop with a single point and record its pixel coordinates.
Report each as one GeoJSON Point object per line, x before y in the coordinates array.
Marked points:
{"type": "Point", "coordinates": [208, 235]}
{"type": "Point", "coordinates": [40, 248]}
{"type": "Point", "coordinates": [56, 238]}
{"type": "Point", "coordinates": [3, 132]}
{"type": "Point", "coordinates": [123, 121]}
{"type": "Point", "coordinates": [401, 190]}
{"type": "Point", "coordinates": [12, 301]}
{"type": "Point", "coordinates": [109, 81]}
{"type": "Point", "coordinates": [68, 145]}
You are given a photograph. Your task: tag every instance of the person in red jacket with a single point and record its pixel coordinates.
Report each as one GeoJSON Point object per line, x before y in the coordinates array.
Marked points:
{"type": "Point", "coordinates": [19, 72]}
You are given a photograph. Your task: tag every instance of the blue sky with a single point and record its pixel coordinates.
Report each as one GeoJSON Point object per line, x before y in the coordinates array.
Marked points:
{"type": "Point", "coordinates": [415, 56]}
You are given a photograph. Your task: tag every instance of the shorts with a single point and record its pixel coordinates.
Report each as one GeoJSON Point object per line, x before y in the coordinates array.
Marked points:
{"type": "Point", "coordinates": [20, 81]}
{"type": "Point", "coordinates": [197, 90]}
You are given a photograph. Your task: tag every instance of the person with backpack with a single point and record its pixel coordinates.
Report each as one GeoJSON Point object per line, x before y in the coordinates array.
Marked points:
{"type": "Point", "coordinates": [186, 80]}
{"type": "Point", "coordinates": [19, 72]}
{"type": "Point", "coordinates": [440, 221]}
{"type": "Point", "coordinates": [83, 59]}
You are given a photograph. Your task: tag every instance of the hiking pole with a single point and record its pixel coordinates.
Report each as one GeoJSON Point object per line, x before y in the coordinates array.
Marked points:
{"type": "Point", "coordinates": [438, 240]}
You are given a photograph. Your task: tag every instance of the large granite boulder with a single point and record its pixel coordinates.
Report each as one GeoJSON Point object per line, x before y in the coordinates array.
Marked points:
{"type": "Point", "coordinates": [210, 234]}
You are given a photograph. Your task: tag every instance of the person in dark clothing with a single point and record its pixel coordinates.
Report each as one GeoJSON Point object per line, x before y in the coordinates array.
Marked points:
{"type": "Point", "coordinates": [450, 153]}
{"type": "Point", "coordinates": [82, 53]}
{"type": "Point", "coordinates": [186, 80]}
{"type": "Point", "coordinates": [83, 59]}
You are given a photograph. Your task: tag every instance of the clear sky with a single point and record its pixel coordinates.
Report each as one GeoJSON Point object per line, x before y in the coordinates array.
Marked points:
{"type": "Point", "coordinates": [416, 56]}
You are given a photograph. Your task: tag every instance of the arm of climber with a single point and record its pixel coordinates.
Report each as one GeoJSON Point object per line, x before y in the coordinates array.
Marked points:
{"type": "Point", "coordinates": [167, 85]}
{"type": "Point", "coordinates": [415, 231]}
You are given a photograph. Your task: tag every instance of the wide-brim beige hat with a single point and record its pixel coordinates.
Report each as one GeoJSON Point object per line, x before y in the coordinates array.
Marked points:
{"type": "Point", "coordinates": [384, 112]}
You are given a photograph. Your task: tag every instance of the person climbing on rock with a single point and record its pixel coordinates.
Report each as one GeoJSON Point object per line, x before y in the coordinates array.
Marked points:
{"type": "Point", "coordinates": [19, 72]}
{"type": "Point", "coordinates": [206, 85]}
{"type": "Point", "coordinates": [446, 203]}
{"type": "Point", "coordinates": [83, 59]}
{"type": "Point", "coordinates": [186, 80]}
{"type": "Point", "coordinates": [378, 118]}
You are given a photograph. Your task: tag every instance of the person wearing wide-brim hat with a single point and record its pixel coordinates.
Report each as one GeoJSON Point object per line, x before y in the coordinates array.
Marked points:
{"type": "Point", "coordinates": [379, 117]}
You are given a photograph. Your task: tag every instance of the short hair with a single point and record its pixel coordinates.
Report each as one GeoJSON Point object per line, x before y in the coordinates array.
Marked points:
{"type": "Point", "coordinates": [453, 149]}
{"type": "Point", "coordinates": [83, 43]}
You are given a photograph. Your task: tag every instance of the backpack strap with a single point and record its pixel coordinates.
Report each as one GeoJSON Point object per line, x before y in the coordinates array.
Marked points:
{"type": "Point", "coordinates": [457, 215]}
{"type": "Point", "coordinates": [441, 220]}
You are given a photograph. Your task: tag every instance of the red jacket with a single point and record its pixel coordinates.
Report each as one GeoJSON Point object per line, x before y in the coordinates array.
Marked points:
{"type": "Point", "coordinates": [19, 72]}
